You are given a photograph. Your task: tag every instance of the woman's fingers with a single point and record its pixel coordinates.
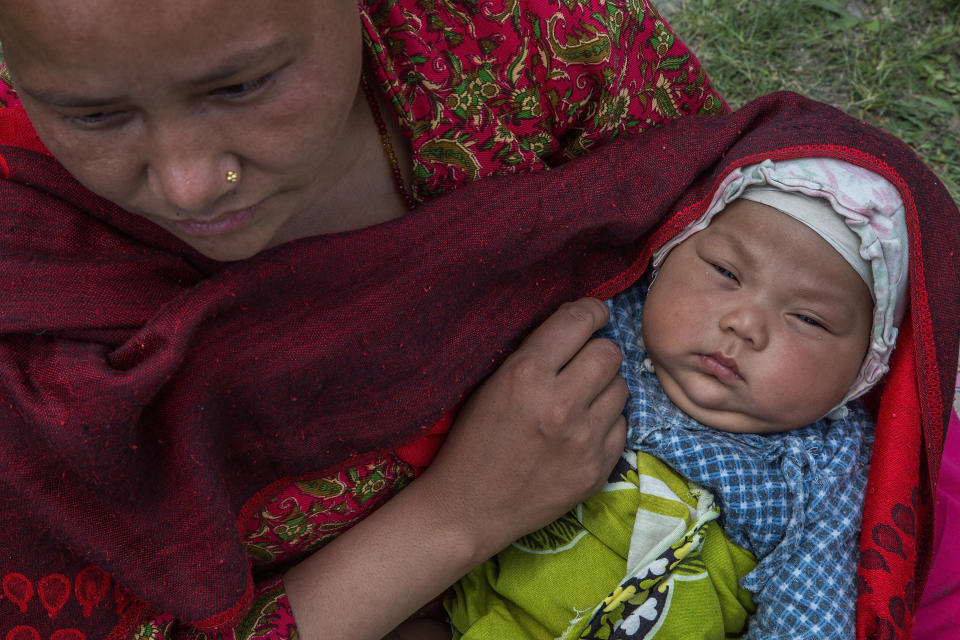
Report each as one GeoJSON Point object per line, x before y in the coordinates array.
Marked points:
{"type": "Point", "coordinates": [591, 370]}
{"type": "Point", "coordinates": [610, 425]}
{"type": "Point", "coordinates": [609, 402]}
{"type": "Point", "coordinates": [564, 333]}
{"type": "Point", "coordinates": [614, 442]}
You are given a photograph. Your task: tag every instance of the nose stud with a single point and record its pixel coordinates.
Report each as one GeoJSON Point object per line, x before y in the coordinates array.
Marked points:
{"type": "Point", "coordinates": [233, 177]}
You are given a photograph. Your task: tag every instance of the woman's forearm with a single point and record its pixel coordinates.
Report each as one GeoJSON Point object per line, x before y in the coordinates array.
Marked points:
{"type": "Point", "coordinates": [374, 576]}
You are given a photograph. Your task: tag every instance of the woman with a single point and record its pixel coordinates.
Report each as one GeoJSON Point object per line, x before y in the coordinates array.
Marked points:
{"type": "Point", "coordinates": [165, 377]}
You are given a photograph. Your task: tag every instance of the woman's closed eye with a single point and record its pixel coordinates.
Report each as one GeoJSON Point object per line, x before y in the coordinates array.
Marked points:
{"type": "Point", "coordinates": [96, 120]}
{"type": "Point", "coordinates": [243, 89]}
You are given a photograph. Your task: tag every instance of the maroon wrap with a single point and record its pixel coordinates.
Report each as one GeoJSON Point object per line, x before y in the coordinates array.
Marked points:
{"type": "Point", "coordinates": [147, 393]}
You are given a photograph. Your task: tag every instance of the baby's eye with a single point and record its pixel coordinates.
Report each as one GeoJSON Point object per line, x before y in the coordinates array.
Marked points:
{"type": "Point", "coordinates": [243, 89]}
{"type": "Point", "coordinates": [813, 322]}
{"type": "Point", "coordinates": [725, 272]}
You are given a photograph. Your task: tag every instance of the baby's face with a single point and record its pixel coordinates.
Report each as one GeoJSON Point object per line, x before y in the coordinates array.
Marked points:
{"type": "Point", "coordinates": [756, 324]}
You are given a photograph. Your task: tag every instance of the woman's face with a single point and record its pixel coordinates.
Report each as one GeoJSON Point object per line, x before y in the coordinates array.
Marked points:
{"type": "Point", "coordinates": [150, 104]}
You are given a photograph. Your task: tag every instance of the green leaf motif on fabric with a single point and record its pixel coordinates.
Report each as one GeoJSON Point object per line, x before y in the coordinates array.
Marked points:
{"type": "Point", "coordinates": [451, 152]}
{"type": "Point", "coordinates": [510, 9]}
{"type": "Point", "coordinates": [637, 8]}
{"type": "Point", "coordinates": [539, 143]}
{"type": "Point", "coordinates": [573, 4]}
{"type": "Point", "coordinates": [468, 97]}
{"type": "Point", "coordinates": [152, 631]}
{"type": "Point", "coordinates": [259, 553]}
{"type": "Point", "coordinates": [326, 488]}
{"type": "Point", "coordinates": [587, 46]}
{"type": "Point", "coordinates": [664, 103]}
{"type": "Point", "coordinates": [662, 40]}
{"type": "Point", "coordinates": [556, 536]}
{"type": "Point", "coordinates": [370, 487]}
{"type": "Point", "coordinates": [674, 63]}
{"type": "Point", "coordinates": [258, 623]}
{"type": "Point", "coordinates": [526, 103]}
{"type": "Point", "coordinates": [612, 19]}
{"type": "Point", "coordinates": [294, 528]}
{"type": "Point", "coordinates": [711, 106]}
{"type": "Point", "coordinates": [613, 109]}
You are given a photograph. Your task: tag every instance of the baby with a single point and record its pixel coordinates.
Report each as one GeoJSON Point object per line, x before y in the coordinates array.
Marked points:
{"type": "Point", "coordinates": [764, 320]}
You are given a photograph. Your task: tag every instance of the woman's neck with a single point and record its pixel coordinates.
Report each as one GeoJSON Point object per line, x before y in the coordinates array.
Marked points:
{"type": "Point", "coordinates": [366, 192]}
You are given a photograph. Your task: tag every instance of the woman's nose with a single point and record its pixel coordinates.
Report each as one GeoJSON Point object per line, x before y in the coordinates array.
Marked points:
{"type": "Point", "coordinates": [189, 175]}
{"type": "Point", "coordinates": [748, 322]}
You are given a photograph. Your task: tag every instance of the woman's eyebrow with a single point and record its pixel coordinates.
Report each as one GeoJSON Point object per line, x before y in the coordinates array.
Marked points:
{"type": "Point", "coordinates": [66, 100]}
{"type": "Point", "coordinates": [239, 62]}
{"type": "Point", "coordinates": [227, 68]}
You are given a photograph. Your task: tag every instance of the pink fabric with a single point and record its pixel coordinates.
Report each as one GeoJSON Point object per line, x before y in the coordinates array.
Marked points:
{"type": "Point", "coordinates": [939, 614]}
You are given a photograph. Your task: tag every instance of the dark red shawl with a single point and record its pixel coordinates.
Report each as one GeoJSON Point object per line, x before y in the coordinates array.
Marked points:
{"type": "Point", "coordinates": [146, 393]}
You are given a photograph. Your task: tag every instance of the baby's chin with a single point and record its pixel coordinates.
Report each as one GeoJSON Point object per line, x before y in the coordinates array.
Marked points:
{"type": "Point", "coordinates": [722, 419]}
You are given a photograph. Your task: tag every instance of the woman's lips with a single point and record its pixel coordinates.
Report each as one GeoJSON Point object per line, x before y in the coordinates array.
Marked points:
{"type": "Point", "coordinates": [225, 223]}
{"type": "Point", "coordinates": [723, 368]}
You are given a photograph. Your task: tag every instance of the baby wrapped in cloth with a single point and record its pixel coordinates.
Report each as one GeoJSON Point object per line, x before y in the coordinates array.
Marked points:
{"type": "Point", "coordinates": [700, 527]}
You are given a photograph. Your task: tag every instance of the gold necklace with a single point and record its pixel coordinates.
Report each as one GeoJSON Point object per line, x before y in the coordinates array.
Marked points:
{"type": "Point", "coordinates": [387, 145]}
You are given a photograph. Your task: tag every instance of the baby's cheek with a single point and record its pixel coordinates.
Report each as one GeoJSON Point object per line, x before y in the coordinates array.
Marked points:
{"type": "Point", "coordinates": [819, 377]}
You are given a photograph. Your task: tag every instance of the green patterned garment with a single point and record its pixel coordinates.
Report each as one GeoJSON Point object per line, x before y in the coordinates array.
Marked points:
{"type": "Point", "coordinates": [644, 558]}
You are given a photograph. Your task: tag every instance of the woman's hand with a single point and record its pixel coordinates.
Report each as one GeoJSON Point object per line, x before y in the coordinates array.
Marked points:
{"type": "Point", "coordinates": [540, 435]}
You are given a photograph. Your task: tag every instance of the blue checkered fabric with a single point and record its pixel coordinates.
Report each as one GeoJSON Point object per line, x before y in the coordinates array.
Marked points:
{"type": "Point", "coordinates": [793, 499]}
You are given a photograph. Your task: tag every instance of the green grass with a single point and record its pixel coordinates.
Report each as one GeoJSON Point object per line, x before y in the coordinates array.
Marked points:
{"type": "Point", "coordinates": [892, 63]}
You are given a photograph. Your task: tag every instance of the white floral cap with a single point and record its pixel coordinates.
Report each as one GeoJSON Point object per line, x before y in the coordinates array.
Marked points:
{"type": "Point", "coordinates": [870, 206]}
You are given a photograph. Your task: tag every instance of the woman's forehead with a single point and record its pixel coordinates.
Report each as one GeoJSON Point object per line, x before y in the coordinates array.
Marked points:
{"type": "Point", "coordinates": [107, 46]}
{"type": "Point", "coordinates": [79, 18]}
{"type": "Point", "coordinates": [68, 31]}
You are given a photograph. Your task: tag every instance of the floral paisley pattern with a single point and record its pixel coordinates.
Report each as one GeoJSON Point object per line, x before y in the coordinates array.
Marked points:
{"type": "Point", "coordinates": [508, 86]}
{"type": "Point", "coordinates": [306, 515]}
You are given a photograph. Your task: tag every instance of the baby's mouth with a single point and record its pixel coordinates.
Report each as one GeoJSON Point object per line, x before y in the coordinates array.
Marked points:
{"type": "Point", "coordinates": [722, 367]}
